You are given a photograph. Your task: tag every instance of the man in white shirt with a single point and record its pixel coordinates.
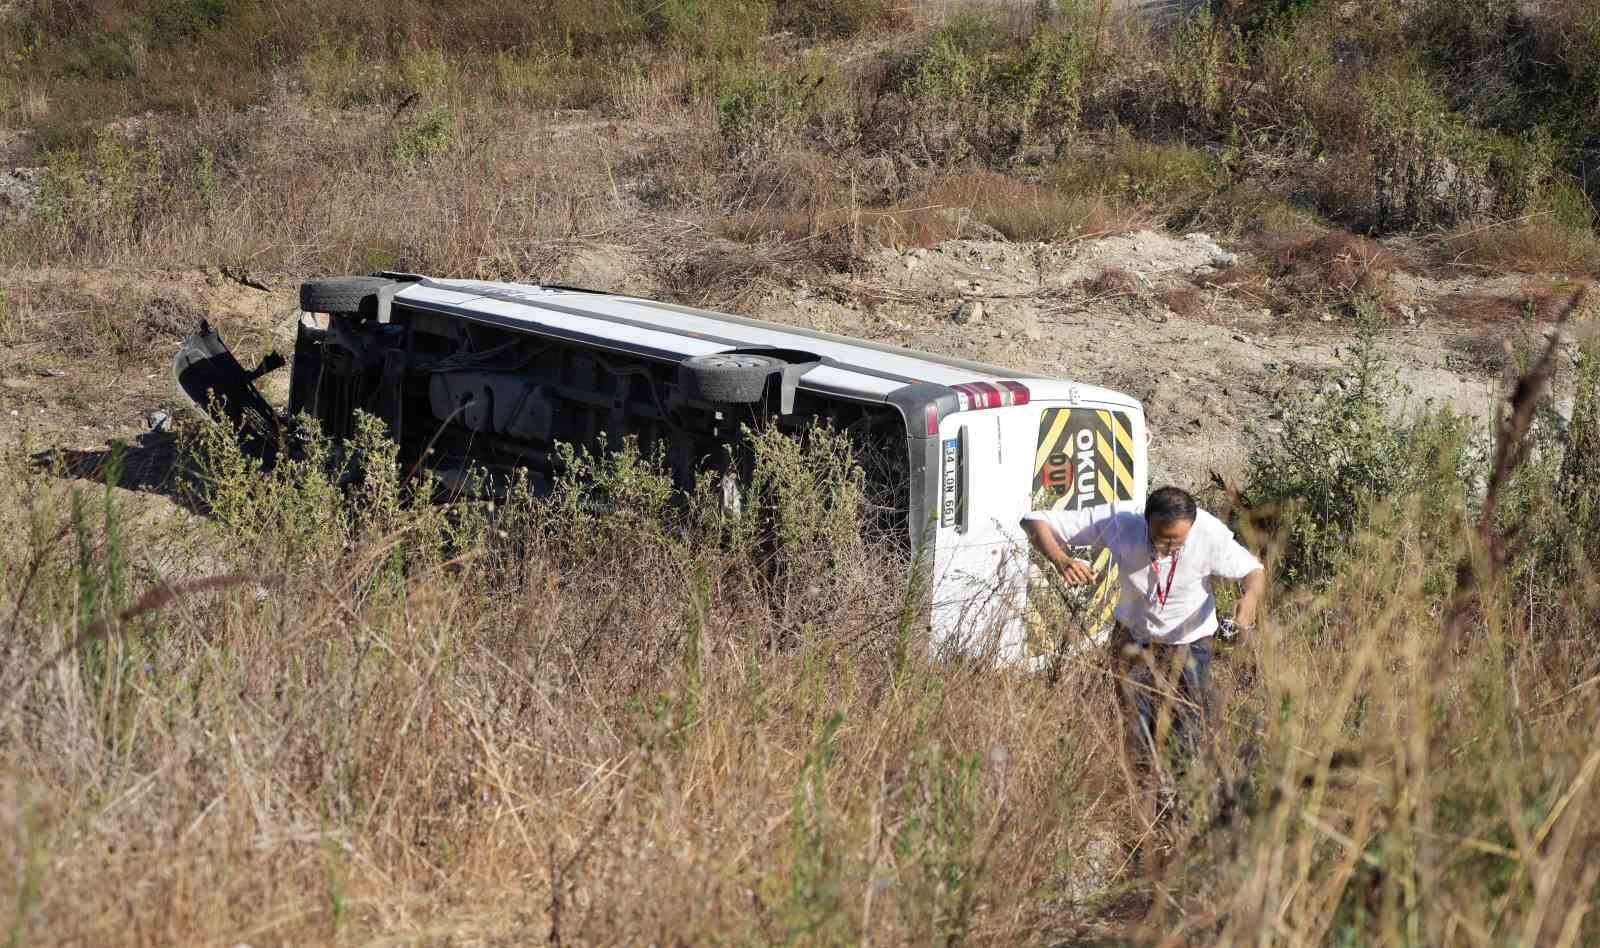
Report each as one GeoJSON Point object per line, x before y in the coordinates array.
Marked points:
{"type": "Point", "coordinates": [1166, 556]}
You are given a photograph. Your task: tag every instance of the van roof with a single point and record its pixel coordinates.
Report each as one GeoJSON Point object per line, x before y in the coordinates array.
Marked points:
{"type": "Point", "coordinates": [853, 368]}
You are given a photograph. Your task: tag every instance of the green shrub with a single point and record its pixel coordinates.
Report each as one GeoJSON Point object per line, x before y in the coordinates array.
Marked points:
{"type": "Point", "coordinates": [422, 142]}
{"type": "Point", "coordinates": [833, 18]}
{"type": "Point", "coordinates": [716, 29]}
{"type": "Point", "coordinates": [760, 110]}
{"type": "Point", "coordinates": [1475, 45]}
{"type": "Point", "coordinates": [967, 94]}
{"type": "Point", "coordinates": [103, 196]}
{"type": "Point", "coordinates": [1143, 173]}
{"type": "Point", "coordinates": [1578, 484]}
{"type": "Point", "coordinates": [805, 507]}
{"type": "Point", "coordinates": [1340, 453]}
{"type": "Point", "coordinates": [1198, 61]}
{"type": "Point", "coordinates": [174, 21]}
{"type": "Point", "coordinates": [1037, 97]}
{"type": "Point", "coordinates": [1432, 166]}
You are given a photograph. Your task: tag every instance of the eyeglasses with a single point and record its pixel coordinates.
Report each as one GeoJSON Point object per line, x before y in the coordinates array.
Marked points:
{"type": "Point", "coordinates": [1166, 547]}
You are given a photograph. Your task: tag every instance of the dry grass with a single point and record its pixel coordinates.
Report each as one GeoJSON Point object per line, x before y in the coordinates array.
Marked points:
{"type": "Point", "coordinates": [1537, 301]}
{"type": "Point", "coordinates": [1248, 282]}
{"type": "Point", "coordinates": [624, 727]}
{"type": "Point", "coordinates": [1186, 301]}
{"type": "Point", "coordinates": [1336, 264]}
{"type": "Point", "coordinates": [1530, 247]}
{"type": "Point", "coordinates": [568, 724]}
{"type": "Point", "coordinates": [1023, 211]}
{"type": "Point", "coordinates": [1112, 281]}
{"type": "Point", "coordinates": [1305, 268]}
{"type": "Point", "coordinates": [439, 191]}
{"type": "Point", "coordinates": [517, 739]}
{"type": "Point", "coordinates": [806, 198]}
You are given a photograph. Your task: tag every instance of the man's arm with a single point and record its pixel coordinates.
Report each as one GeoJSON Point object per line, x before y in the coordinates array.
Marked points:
{"type": "Point", "coordinates": [1052, 531]}
{"type": "Point", "coordinates": [1043, 537]}
{"type": "Point", "coordinates": [1236, 562]}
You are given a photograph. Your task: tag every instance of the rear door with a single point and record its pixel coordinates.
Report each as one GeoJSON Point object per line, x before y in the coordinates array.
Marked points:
{"type": "Point", "coordinates": [980, 566]}
{"type": "Point", "coordinates": [1084, 456]}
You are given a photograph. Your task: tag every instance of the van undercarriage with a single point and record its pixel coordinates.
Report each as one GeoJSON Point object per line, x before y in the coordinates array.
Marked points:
{"type": "Point", "coordinates": [460, 396]}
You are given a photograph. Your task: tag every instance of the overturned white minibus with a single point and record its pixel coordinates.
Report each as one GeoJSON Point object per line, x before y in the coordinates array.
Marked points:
{"type": "Point", "coordinates": [477, 375]}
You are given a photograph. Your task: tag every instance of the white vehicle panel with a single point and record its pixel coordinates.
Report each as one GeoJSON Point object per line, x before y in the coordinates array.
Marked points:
{"type": "Point", "coordinates": [688, 333]}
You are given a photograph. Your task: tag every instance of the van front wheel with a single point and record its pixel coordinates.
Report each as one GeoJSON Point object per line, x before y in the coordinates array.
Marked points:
{"type": "Point", "coordinates": [735, 378]}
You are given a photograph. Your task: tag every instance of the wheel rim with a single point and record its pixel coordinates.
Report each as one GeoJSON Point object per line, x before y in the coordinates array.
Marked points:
{"type": "Point", "coordinates": [735, 361]}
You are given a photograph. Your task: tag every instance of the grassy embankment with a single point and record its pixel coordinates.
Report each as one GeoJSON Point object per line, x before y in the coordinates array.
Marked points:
{"type": "Point", "coordinates": [546, 722]}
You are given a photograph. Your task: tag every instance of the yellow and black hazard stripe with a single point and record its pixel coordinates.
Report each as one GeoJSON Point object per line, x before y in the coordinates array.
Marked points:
{"type": "Point", "coordinates": [1085, 458]}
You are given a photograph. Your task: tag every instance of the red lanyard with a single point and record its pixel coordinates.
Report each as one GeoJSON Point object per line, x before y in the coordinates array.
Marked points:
{"type": "Point", "coordinates": [1158, 594]}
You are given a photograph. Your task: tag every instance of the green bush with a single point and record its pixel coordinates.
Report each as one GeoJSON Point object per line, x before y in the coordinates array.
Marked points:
{"type": "Point", "coordinates": [968, 94]}
{"type": "Point", "coordinates": [1198, 62]}
{"type": "Point", "coordinates": [104, 196]}
{"type": "Point", "coordinates": [1578, 484]}
{"type": "Point", "coordinates": [1339, 454]}
{"type": "Point", "coordinates": [1143, 173]}
{"type": "Point", "coordinates": [1432, 166]}
{"type": "Point", "coordinates": [760, 110]}
{"type": "Point", "coordinates": [1475, 45]}
{"type": "Point", "coordinates": [830, 18]}
{"type": "Point", "coordinates": [716, 29]}
{"type": "Point", "coordinates": [174, 21]}
{"type": "Point", "coordinates": [422, 142]}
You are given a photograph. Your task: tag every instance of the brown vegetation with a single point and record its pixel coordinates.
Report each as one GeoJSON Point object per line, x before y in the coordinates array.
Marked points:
{"type": "Point", "coordinates": [1537, 301]}
{"type": "Point", "coordinates": [1529, 247]}
{"type": "Point", "coordinates": [1186, 301]}
{"type": "Point", "coordinates": [599, 717]}
{"type": "Point", "coordinates": [1111, 281]}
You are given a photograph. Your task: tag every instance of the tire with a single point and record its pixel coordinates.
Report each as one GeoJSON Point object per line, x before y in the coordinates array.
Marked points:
{"type": "Point", "coordinates": [735, 378]}
{"type": "Point", "coordinates": [342, 296]}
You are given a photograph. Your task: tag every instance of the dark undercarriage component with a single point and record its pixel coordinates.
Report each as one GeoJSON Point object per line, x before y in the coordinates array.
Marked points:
{"type": "Point", "coordinates": [458, 395]}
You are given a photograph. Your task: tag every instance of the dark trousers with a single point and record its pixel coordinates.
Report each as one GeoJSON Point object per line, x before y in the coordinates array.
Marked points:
{"type": "Point", "coordinates": [1167, 688]}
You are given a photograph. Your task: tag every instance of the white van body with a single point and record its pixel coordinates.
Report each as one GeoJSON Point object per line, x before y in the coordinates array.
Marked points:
{"type": "Point", "coordinates": [982, 445]}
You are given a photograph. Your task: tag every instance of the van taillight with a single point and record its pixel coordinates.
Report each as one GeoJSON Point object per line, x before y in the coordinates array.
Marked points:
{"type": "Point", "coordinates": [976, 395]}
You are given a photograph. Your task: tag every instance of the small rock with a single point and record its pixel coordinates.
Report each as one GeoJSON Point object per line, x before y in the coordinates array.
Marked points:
{"type": "Point", "coordinates": [1327, 317]}
{"type": "Point", "coordinates": [969, 312]}
{"type": "Point", "coordinates": [918, 253]}
{"type": "Point", "coordinates": [53, 373]}
{"type": "Point", "coordinates": [19, 193]}
{"type": "Point", "coordinates": [158, 420]}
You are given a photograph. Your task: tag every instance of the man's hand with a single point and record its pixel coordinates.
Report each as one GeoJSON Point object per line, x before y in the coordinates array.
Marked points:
{"type": "Point", "coordinates": [1076, 572]}
{"type": "Point", "coordinates": [1244, 611]}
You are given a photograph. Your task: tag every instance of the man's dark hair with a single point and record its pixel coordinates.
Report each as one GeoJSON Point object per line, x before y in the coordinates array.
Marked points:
{"type": "Point", "coordinates": [1169, 505]}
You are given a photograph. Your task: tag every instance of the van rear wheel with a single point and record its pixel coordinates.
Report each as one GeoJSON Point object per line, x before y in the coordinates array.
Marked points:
{"type": "Point", "coordinates": [342, 296]}
{"type": "Point", "coordinates": [734, 378]}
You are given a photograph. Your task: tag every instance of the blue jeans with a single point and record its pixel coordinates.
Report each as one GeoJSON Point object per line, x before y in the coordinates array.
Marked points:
{"type": "Point", "coordinates": [1165, 681]}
